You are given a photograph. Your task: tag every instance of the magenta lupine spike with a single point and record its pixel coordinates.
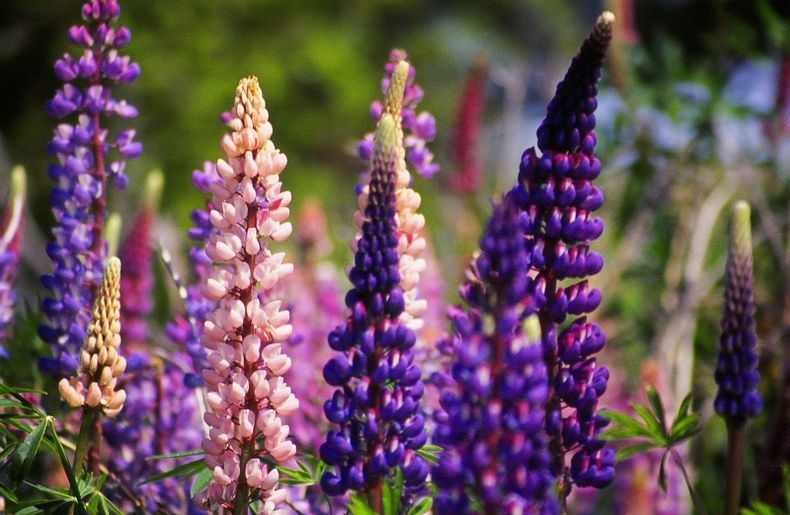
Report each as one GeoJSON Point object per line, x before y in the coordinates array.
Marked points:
{"type": "Point", "coordinates": [81, 174]}
{"type": "Point", "coordinates": [246, 393]}
{"type": "Point", "coordinates": [557, 197]}
{"type": "Point", "coordinates": [11, 223]}
{"type": "Point", "coordinates": [420, 129]}
{"type": "Point", "coordinates": [464, 147]}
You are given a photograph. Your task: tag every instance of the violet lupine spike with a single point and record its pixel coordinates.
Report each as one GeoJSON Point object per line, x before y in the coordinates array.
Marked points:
{"type": "Point", "coordinates": [244, 336]}
{"type": "Point", "coordinates": [492, 425]}
{"type": "Point", "coordinates": [557, 199]}
{"type": "Point", "coordinates": [420, 129]}
{"type": "Point", "coordinates": [11, 223]}
{"type": "Point", "coordinates": [186, 330]}
{"type": "Point", "coordinates": [738, 397]}
{"type": "Point", "coordinates": [375, 407]}
{"type": "Point", "coordinates": [81, 175]}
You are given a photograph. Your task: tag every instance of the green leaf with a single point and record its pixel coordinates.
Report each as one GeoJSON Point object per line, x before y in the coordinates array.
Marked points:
{"type": "Point", "coordinates": [182, 454]}
{"type": "Point", "coordinates": [686, 428]}
{"type": "Point", "coordinates": [626, 452]}
{"type": "Point", "coordinates": [64, 461]}
{"type": "Point", "coordinates": [391, 491]}
{"type": "Point", "coordinates": [106, 506]}
{"type": "Point", "coordinates": [30, 510]}
{"type": "Point", "coordinates": [422, 506]}
{"type": "Point", "coordinates": [653, 425]}
{"type": "Point", "coordinates": [357, 506]}
{"type": "Point", "coordinates": [662, 473]}
{"type": "Point", "coordinates": [57, 493]}
{"type": "Point", "coordinates": [200, 482]}
{"type": "Point", "coordinates": [658, 408]}
{"type": "Point", "coordinates": [185, 470]}
{"type": "Point", "coordinates": [630, 428]}
{"type": "Point", "coordinates": [26, 452]}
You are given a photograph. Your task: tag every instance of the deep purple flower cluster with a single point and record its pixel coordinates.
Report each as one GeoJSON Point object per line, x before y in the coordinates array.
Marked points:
{"type": "Point", "coordinates": [492, 427]}
{"type": "Point", "coordinates": [557, 197]}
{"type": "Point", "coordinates": [419, 129]}
{"type": "Point", "coordinates": [81, 173]}
{"type": "Point", "coordinates": [186, 330]}
{"type": "Point", "coordinates": [160, 416]}
{"type": "Point", "coordinates": [738, 397]}
{"type": "Point", "coordinates": [11, 223]}
{"type": "Point", "coordinates": [375, 407]}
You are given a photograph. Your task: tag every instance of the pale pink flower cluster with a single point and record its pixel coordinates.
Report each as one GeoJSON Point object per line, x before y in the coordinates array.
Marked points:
{"type": "Point", "coordinates": [246, 393]}
{"type": "Point", "coordinates": [410, 223]}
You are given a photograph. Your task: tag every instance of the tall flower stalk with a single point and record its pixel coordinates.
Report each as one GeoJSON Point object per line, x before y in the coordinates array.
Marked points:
{"type": "Point", "coordinates": [81, 174]}
{"type": "Point", "coordinates": [556, 194]}
{"type": "Point", "coordinates": [94, 387]}
{"type": "Point", "coordinates": [375, 405]}
{"type": "Point", "coordinates": [244, 335]}
{"type": "Point", "coordinates": [738, 398]}
{"type": "Point", "coordinates": [11, 224]}
{"type": "Point", "coordinates": [492, 426]}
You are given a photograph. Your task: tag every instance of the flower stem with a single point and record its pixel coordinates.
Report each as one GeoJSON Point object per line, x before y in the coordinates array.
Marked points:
{"type": "Point", "coordinates": [87, 428]}
{"type": "Point", "coordinates": [734, 466]}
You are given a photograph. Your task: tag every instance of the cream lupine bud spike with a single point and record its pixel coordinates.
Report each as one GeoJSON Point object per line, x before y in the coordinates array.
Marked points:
{"type": "Point", "coordinates": [100, 361]}
{"type": "Point", "coordinates": [409, 222]}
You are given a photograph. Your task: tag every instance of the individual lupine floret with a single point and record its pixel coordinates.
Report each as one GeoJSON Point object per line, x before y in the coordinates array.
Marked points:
{"type": "Point", "coordinates": [557, 197]}
{"type": "Point", "coordinates": [81, 174]}
{"type": "Point", "coordinates": [244, 335]}
{"type": "Point", "coordinates": [738, 397]}
{"type": "Point", "coordinates": [11, 223]}
{"type": "Point", "coordinates": [492, 426]}
{"type": "Point", "coordinates": [420, 128]}
{"type": "Point", "coordinates": [375, 408]}
{"type": "Point", "coordinates": [101, 363]}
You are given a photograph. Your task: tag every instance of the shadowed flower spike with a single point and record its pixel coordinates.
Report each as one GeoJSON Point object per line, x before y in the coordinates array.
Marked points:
{"type": "Point", "coordinates": [492, 422]}
{"type": "Point", "coordinates": [738, 397]}
{"type": "Point", "coordinates": [100, 361]}
{"type": "Point", "coordinates": [375, 406]}
{"type": "Point", "coordinates": [243, 336]}
{"type": "Point", "coordinates": [557, 197]}
{"type": "Point", "coordinates": [81, 174]}
{"type": "Point", "coordinates": [464, 147]}
{"type": "Point", "coordinates": [11, 223]}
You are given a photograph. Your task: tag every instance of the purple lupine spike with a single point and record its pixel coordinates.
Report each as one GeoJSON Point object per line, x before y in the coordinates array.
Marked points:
{"type": "Point", "coordinates": [492, 427]}
{"type": "Point", "coordinates": [11, 223]}
{"type": "Point", "coordinates": [375, 405]}
{"type": "Point", "coordinates": [419, 129]}
{"type": "Point", "coordinates": [185, 330]}
{"type": "Point", "coordinates": [557, 197]}
{"type": "Point", "coordinates": [81, 175]}
{"type": "Point", "coordinates": [738, 397]}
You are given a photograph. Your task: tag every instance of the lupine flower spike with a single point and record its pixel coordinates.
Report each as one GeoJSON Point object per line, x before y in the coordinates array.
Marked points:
{"type": "Point", "coordinates": [243, 336]}
{"type": "Point", "coordinates": [464, 147]}
{"type": "Point", "coordinates": [738, 398]}
{"type": "Point", "coordinates": [375, 407]}
{"type": "Point", "coordinates": [557, 198]}
{"type": "Point", "coordinates": [81, 175]}
{"type": "Point", "coordinates": [101, 363]}
{"type": "Point", "coordinates": [11, 223]}
{"type": "Point", "coordinates": [492, 427]}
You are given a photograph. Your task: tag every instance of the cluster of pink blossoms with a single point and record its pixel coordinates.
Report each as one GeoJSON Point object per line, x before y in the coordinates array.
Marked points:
{"type": "Point", "coordinates": [246, 393]}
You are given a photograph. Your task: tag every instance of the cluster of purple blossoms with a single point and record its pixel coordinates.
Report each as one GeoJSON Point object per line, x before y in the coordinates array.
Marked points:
{"type": "Point", "coordinates": [557, 198]}
{"type": "Point", "coordinates": [375, 408]}
{"type": "Point", "coordinates": [81, 175]}
{"type": "Point", "coordinates": [492, 426]}
{"type": "Point", "coordinates": [186, 330]}
{"type": "Point", "coordinates": [11, 223]}
{"type": "Point", "coordinates": [420, 129]}
{"type": "Point", "coordinates": [738, 397]}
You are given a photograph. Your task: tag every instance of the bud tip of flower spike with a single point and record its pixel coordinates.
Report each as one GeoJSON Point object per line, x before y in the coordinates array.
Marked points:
{"type": "Point", "coordinates": [154, 182]}
{"type": "Point", "coordinates": [385, 134]}
{"type": "Point", "coordinates": [112, 233]}
{"type": "Point", "coordinates": [741, 225]}
{"type": "Point", "coordinates": [397, 87]}
{"type": "Point", "coordinates": [18, 182]}
{"type": "Point", "coordinates": [602, 32]}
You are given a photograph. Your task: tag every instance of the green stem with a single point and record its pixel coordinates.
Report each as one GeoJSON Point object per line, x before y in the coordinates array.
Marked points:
{"type": "Point", "coordinates": [734, 466]}
{"type": "Point", "coordinates": [87, 426]}
{"type": "Point", "coordinates": [375, 498]}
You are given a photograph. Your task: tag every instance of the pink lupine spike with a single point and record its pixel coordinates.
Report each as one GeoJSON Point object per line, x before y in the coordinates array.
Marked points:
{"type": "Point", "coordinates": [243, 336]}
